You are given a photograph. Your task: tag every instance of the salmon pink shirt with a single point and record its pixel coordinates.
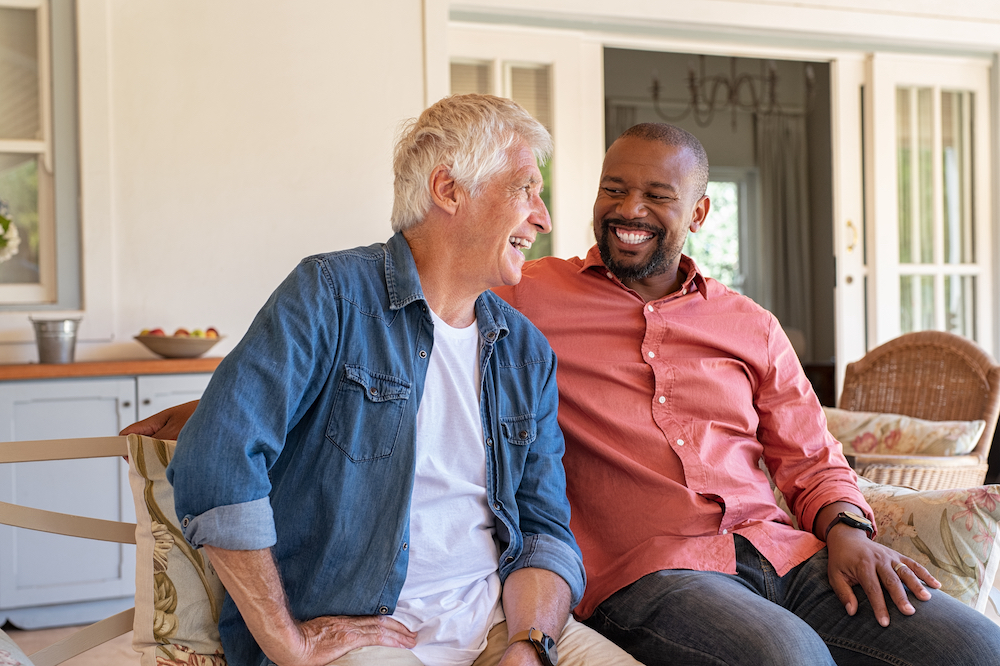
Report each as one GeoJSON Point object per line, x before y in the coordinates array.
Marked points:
{"type": "Point", "coordinates": [667, 407]}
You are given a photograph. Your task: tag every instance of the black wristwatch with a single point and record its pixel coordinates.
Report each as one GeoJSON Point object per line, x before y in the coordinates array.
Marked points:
{"type": "Point", "coordinates": [542, 642]}
{"type": "Point", "coordinates": [852, 519]}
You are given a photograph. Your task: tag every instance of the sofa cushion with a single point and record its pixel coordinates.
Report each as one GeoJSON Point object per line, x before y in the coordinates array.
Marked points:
{"type": "Point", "coordinates": [869, 432]}
{"type": "Point", "coordinates": [178, 594]}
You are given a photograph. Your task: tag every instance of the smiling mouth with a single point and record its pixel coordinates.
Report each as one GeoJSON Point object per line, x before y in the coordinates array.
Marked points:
{"type": "Point", "coordinates": [632, 236]}
{"type": "Point", "coordinates": [522, 244]}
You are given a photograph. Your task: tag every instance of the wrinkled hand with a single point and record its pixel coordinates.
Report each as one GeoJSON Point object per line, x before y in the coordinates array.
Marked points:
{"type": "Point", "coordinates": [164, 425]}
{"type": "Point", "coordinates": [856, 560]}
{"type": "Point", "coordinates": [325, 639]}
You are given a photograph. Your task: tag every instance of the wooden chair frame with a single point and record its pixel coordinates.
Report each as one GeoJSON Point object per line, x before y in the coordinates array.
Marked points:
{"type": "Point", "coordinates": [70, 525]}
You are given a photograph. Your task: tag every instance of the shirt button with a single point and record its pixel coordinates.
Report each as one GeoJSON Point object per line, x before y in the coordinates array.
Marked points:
{"type": "Point", "coordinates": [491, 335]}
{"type": "Point", "coordinates": [680, 442]}
{"type": "Point", "coordinates": [489, 441]}
{"type": "Point", "coordinates": [373, 391]}
{"type": "Point", "coordinates": [496, 505]}
{"type": "Point", "coordinates": [662, 399]}
{"type": "Point", "coordinates": [609, 274]}
{"type": "Point", "coordinates": [384, 610]}
{"type": "Point", "coordinates": [423, 354]}
{"type": "Point", "coordinates": [651, 355]}
{"type": "Point", "coordinates": [684, 292]}
{"type": "Point", "coordinates": [406, 546]}
{"type": "Point", "coordinates": [523, 434]}
{"type": "Point", "coordinates": [650, 308]}
{"type": "Point", "coordinates": [186, 522]}
{"type": "Point", "coordinates": [725, 531]}
{"type": "Point", "coordinates": [509, 559]}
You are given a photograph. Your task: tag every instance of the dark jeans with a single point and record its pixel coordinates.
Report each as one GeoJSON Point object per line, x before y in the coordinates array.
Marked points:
{"type": "Point", "coordinates": [759, 618]}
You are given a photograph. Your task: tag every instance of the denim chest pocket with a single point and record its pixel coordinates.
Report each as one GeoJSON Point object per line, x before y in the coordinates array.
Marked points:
{"type": "Point", "coordinates": [519, 430]}
{"type": "Point", "coordinates": [367, 413]}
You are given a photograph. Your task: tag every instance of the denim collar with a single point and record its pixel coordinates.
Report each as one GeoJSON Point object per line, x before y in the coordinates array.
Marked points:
{"type": "Point", "coordinates": [403, 284]}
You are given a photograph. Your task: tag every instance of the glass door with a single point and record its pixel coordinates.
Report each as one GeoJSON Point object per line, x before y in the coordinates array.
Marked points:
{"type": "Point", "coordinates": [930, 196]}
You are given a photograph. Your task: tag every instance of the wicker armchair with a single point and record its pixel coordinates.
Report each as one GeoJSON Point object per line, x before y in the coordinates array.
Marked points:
{"type": "Point", "coordinates": [929, 375]}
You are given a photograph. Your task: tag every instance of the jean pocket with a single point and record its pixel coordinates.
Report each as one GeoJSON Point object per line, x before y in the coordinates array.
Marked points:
{"type": "Point", "coordinates": [519, 430]}
{"type": "Point", "coordinates": [367, 413]}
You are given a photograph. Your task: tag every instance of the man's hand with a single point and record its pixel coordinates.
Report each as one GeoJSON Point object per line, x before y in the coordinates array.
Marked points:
{"type": "Point", "coordinates": [252, 580]}
{"type": "Point", "coordinates": [164, 425]}
{"type": "Point", "coordinates": [857, 560]}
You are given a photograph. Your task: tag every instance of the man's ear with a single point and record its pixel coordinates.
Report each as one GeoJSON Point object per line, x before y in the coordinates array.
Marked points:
{"type": "Point", "coordinates": [444, 189]}
{"type": "Point", "coordinates": [699, 213]}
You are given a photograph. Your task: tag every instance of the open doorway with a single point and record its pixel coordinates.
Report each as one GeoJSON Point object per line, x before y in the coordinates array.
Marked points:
{"type": "Point", "coordinates": [771, 173]}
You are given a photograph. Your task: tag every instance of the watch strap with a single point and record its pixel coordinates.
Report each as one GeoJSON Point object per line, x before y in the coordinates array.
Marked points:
{"type": "Point", "coordinates": [857, 522]}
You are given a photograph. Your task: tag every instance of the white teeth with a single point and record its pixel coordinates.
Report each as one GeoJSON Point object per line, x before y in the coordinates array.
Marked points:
{"type": "Point", "coordinates": [520, 243]}
{"type": "Point", "coordinates": [632, 237]}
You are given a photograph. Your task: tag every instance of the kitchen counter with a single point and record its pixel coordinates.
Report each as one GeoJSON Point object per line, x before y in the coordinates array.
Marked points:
{"type": "Point", "coordinates": [151, 366]}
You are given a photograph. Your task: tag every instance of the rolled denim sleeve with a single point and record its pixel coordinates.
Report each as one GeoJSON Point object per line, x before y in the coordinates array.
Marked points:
{"type": "Point", "coordinates": [220, 470]}
{"type": "Point", "coordinates": [543, 508]}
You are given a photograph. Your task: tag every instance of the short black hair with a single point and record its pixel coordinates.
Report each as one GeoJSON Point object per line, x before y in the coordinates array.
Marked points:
{"type": "Point", "coordinates": [672, 135]}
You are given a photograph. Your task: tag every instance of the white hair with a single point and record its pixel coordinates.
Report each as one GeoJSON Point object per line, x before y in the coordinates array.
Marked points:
{"type": "Point", "coordinates": [471, 135]}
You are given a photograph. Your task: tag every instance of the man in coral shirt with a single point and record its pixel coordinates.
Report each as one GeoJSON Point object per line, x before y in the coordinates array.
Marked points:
{"type": "Point", "coordinates": [672, 388]}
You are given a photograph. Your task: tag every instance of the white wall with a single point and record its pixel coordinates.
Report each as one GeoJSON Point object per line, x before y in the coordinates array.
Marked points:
{"type": "Point", "coordinates": [221, 142]}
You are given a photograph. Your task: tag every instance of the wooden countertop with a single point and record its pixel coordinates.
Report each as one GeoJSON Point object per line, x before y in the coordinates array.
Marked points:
{"type": "Point", "coordinates": [165, 366]}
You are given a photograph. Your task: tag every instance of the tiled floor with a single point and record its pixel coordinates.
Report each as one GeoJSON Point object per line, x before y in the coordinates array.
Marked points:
{"type": "Point", "coordinates": [117, 652]}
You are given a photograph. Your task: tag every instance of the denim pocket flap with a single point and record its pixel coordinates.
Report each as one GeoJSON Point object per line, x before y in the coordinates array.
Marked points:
{"type": "Point", "coordinates": [378, 387]}
{"type": "Point", "coordinates": [519, 430]}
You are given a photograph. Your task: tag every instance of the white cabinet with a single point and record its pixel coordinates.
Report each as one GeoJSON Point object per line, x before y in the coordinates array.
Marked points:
{"type": "Point", "coordinates": [53, 580]}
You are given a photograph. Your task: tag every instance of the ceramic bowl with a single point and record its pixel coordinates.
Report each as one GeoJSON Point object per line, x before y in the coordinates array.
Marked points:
{"type": "Point", "coordinates": [177, 347]}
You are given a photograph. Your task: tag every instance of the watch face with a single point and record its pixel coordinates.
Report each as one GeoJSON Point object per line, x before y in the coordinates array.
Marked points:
{"type": "Point", "coordinates": [546, 648]}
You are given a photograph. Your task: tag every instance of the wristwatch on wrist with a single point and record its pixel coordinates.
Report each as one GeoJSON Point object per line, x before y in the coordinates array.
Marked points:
{"type": "Point", "coordinates": [852, 519]}
{"type": "Point", "coordinates": [542, 642]}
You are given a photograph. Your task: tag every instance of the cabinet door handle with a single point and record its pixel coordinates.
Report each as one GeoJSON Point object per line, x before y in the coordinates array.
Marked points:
{"type": "Point", "coordinates": [127, 403]}
{"type": "Point", "coordinates": [147, 401]}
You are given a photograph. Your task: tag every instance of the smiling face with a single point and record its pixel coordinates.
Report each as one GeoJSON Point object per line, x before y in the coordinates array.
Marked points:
{"type": "Point", "coordinates": [505, 219]}
{"type": "Point", "coordinates": [645, 207]}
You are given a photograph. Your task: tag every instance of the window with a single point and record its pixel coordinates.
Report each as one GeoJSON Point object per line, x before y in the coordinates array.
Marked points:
{"type": "Point", "coordinates": [39, 252]}
{"type": "Point", "coordinates": [723, 247]}
{"type": "Point", "coordinates": [527, 84]}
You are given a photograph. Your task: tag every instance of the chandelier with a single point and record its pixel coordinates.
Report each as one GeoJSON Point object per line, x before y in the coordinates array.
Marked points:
{"type": "Point", "coordinates": [737, 92]}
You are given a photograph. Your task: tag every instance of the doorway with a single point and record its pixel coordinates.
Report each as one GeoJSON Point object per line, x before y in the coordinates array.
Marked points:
{"type": "Point", "coordinates": [780, 248]}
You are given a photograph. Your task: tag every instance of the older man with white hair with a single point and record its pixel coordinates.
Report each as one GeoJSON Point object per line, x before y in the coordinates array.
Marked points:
{"type": "Point", "coordinates": [375, 470]}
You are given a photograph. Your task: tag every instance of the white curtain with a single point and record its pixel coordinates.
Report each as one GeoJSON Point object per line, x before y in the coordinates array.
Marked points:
{"type": "Point", "coordinates": [784, 181]}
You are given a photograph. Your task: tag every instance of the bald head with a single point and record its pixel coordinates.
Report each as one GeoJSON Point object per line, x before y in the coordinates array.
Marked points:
{"type": "Point", "coordinates": [671, 135]}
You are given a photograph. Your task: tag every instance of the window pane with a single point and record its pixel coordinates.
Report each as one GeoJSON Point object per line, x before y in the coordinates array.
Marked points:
{"type": "Point", "coordinates": [716, 246]}
{"type": "Point", "coordinates": [19, 203]}
{"type": "Point", "coordinates": [959, 302]}
{"type": "Point", "coordinates": [904, 183]}
{"type": "Point", "coordinates": [529, 87]}
{"type": "Point", "coordinates": [470, 78]}
{"type": "Point", "coordinates": [20, 116]}
{"type": "Point", "coordinates": [925, 124]}
{"type": "Point", "coordinates": [916, 303]}
{"type": "Point", "coordinates": [956, 148]}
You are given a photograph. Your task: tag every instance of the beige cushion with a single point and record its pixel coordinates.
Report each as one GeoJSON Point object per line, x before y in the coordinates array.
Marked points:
{"type": "Point", "coordinates": [868, 432]}
{"type": "Point", "coordinates": [951, 532]}
{"type": "Point", "coordinates": [178, 594]}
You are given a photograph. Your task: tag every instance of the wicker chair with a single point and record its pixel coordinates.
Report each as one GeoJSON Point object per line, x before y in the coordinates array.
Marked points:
{"type": "Point", "coordinates": [929, 375]}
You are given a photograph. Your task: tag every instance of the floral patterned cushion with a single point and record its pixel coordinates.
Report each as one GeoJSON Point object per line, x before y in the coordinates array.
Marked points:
{"type": "Point", "coordinates": [868, 432]}
{"type": "Point", "coordinates": [951, 532]}
{"type": "Point", "coordinates": [10, 654]}
{"type": "Point", "coordinates": [178, 594]}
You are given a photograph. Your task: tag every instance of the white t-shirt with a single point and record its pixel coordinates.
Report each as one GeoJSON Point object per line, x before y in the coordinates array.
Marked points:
{"type": "Point", "coordinates": [451, 595]}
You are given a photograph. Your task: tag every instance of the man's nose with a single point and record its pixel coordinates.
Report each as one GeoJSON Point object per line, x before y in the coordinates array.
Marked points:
{"type": "Point", "coordinates": [632, 206]}
{"type": "Point", "coordinates": [540, 216]}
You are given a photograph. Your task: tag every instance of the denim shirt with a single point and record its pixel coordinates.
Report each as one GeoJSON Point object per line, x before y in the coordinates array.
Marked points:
{"type": "Point", "coordinates": [304, 439]}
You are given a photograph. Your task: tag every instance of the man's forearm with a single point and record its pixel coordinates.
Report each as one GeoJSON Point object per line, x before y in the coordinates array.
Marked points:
{"type": "Point", "coordinates": [535, 598]}
{"type": "Point", "coordinates": [251, 578]}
